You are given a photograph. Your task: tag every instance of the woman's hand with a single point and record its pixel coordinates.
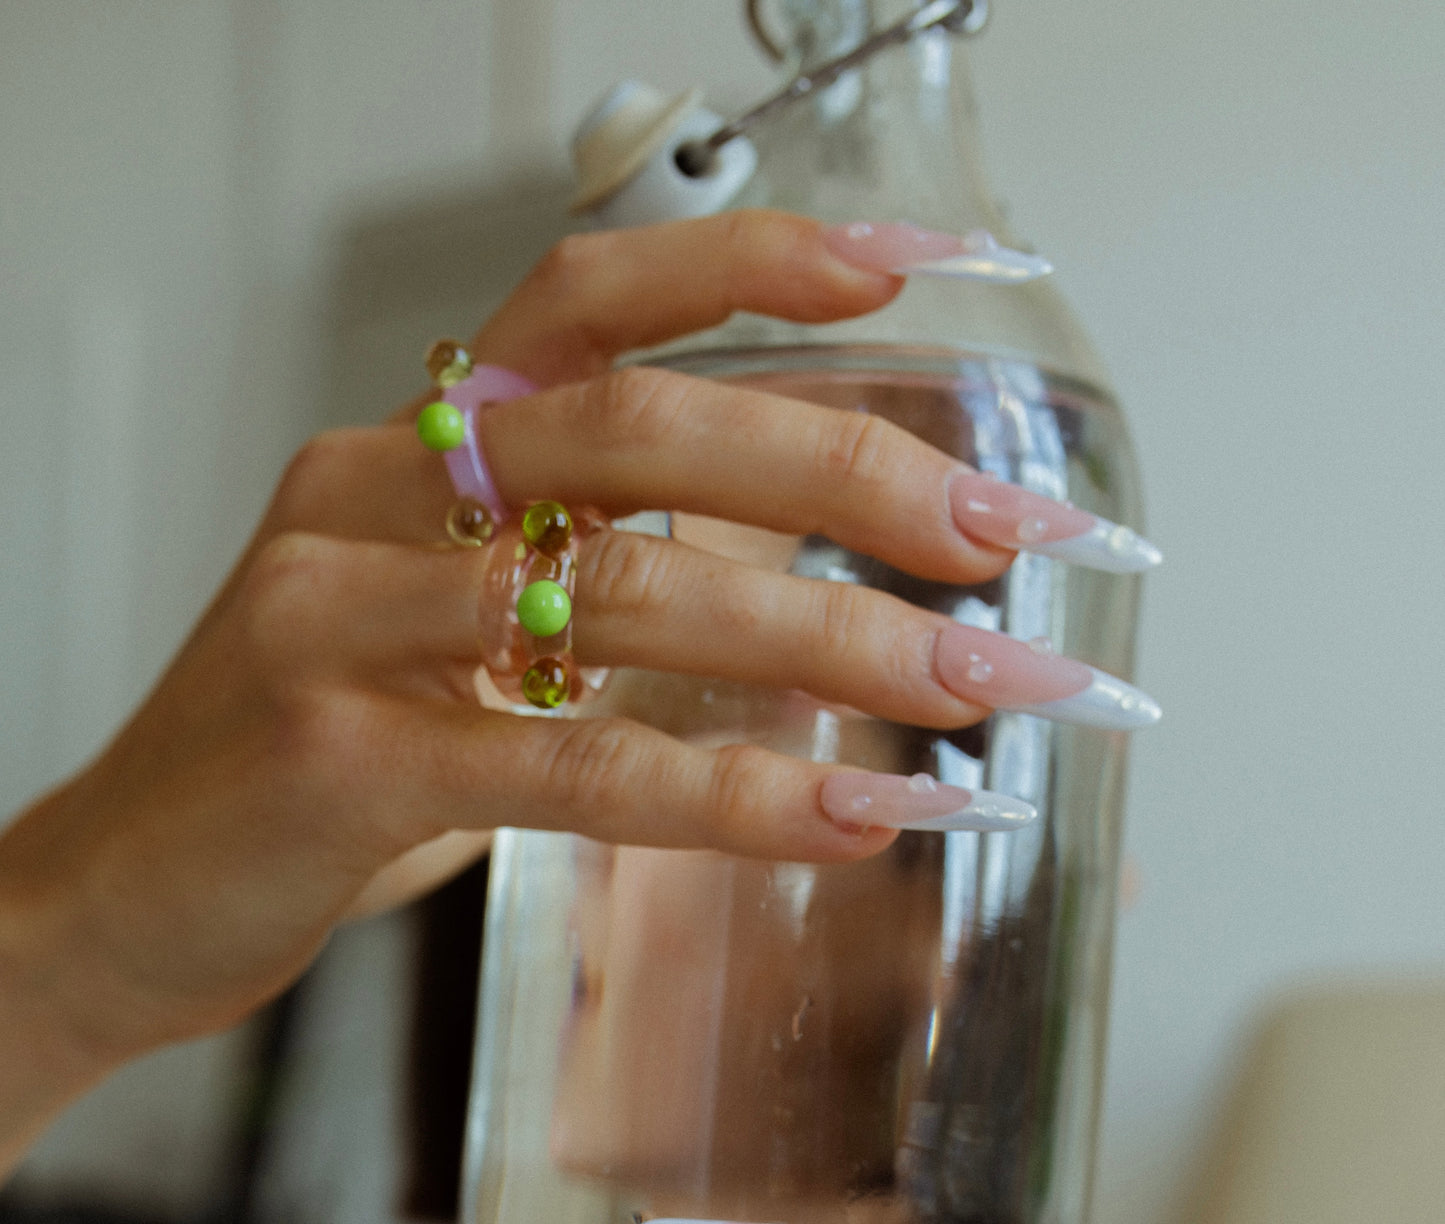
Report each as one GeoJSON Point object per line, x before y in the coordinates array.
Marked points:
{"type": "Point", "coordinates": [316, 749]}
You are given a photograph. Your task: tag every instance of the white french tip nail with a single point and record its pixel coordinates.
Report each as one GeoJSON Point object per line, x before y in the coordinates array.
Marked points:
{"type": "Point", "coordinates": [1105, 546]}
{"type": "Point", "coordinates": [992, 268]}
{"type": "Point", "coordinates": [982, 259]}
{"type": "Point", "coordinates": [988, 812]}
{"type": "Point", "coordinates": [1108, 703]}
{"type": "Point", "coordinates": [890, 801]}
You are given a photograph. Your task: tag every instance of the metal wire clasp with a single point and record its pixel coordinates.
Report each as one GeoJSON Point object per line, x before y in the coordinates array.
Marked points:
{"type": "Point", "coordinates": [956, 16]}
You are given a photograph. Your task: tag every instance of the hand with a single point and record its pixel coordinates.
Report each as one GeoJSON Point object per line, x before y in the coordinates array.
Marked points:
{"type": "Point", "coordinates": [316, 749]}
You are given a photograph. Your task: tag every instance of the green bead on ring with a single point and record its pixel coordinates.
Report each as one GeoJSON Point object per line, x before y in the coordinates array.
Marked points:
{"type": "Point", "coordinates": [441, 426]}
{"type": "Point", "coordinates": [544, 608]}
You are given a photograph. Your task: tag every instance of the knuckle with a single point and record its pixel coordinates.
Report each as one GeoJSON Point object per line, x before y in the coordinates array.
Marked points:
{"type": "Point", "coordinates": [312, 729]}
{"type": "Point", "coordinates": [311, 472]}
{"type": "Point", "coordinates": [742, 231]}
{"type": "Point", "coordinates": [570, 260]}
{"type": "Point", "coordinates": [592, 762]}
{"type": "Point", "coordinates": [636, 406]}
{"type": "Point", "coordinates": [626, 574]}
{"type": "Point", "coordinates": [571, 281]}
{"type": "Point", "coordinates": [839, 622]}
{"type": "Point", "coordinates": [752, 234]}
{"type": "Point", "coordinates": [284, 593]}
{"type": "Point", "coordinates": [742, 613]}
{"type": "Point", "coordinates": [741, 772]}
{"type": "Point", "coordinates": [873, 637]}
{"type": "Point", "coordinates": [859, 449]}
{"type": "Point", "coordinates": [788, 247]}
{"type": "Point", "coordinates": [324, 754]}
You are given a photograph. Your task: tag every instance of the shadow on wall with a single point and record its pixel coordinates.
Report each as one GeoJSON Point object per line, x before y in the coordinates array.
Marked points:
{"type": "Point", "coordinates": [405, 277]}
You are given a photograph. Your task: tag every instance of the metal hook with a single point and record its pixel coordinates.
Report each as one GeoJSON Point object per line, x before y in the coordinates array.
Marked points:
{"type": "Point", "coordinates": [956, 16]}
{"type": "Point", "coordinates": [770, 45]}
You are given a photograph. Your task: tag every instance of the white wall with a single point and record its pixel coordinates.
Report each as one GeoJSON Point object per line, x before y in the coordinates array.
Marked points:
{"type": "Point", "coordinates": [224, 222]}
{"type": "Point", "coordinates": [1245, 201]}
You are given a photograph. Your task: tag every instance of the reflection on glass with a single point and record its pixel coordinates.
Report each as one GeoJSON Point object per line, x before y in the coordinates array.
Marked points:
{"type": "Point", "coordinates": [684, 1035]}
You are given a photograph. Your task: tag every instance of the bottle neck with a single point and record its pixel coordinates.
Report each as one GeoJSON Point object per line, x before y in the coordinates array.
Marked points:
{"type": "Point", "coordinates": [820, 30]}
{"type": "Point", "coordinates": [896, 139]}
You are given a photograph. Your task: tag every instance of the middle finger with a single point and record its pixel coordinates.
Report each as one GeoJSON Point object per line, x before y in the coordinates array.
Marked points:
{"type": "Point", "coordinates": [652, 439]}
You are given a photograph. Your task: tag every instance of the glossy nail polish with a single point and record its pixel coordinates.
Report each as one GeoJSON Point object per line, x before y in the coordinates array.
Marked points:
{"type": "Point", "coordinates": [1003, 673]}
{"type": "Point", "coordinates": [863, 800]}
{"type": "Point", "coordinates": [908, 250]}
{"type": "Point", "coordinates": [996, 512]}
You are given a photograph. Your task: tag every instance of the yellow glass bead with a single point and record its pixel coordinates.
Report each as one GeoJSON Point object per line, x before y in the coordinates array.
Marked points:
{"type": "Point", "coordinates": [448, 364]}
{"type": "Point", "coordinates": [547, 527]}
{"type": "Point", "coordinates": [547, 683]}
{"type": "Point", "coordinates": [469, 523]}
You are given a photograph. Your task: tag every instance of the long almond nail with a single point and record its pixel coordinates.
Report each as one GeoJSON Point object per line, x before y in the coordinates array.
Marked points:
{"type": "Point", "coordinates": [920, 802]}
{"type": "Point", "coordinates": [1004, 514]}
{"type": "Point", "coordinates": [1108, 703]}
{"type": "Point", "coordinates": [1003, 673]}
{"type": "Point", "coordinates": [907, 250]}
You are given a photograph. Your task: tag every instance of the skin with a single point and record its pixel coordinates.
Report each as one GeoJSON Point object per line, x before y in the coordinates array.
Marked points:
{"type": "Point", "coordinates": [316, 751]}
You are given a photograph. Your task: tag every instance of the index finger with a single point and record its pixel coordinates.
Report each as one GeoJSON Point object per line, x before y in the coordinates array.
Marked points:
{"type": "Point", "coordinates": [596, 296]}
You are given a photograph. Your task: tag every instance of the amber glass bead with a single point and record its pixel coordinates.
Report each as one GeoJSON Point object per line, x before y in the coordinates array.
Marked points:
{"type": "Point", "coordinates": [469, 523]}
{"type": "Point", "coordinates": [547, 527]}
{"type": "Point", "coordinates": [448, 364]}
{"type": "Point", "coordinates": [547, 683]}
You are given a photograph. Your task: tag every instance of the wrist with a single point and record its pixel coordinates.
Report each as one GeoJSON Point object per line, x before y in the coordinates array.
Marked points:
{"type": "Point", "coordinates": [50, 1054]}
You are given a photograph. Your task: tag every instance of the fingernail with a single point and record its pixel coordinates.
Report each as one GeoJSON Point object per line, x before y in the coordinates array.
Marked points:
{"type": "Point", "coordinates": [906, 250]}
{"type": "Point", "coordinates": [983, 258]}
{"type": "Point", "coordinates": [1003, 673]}
{"type": "Point", "coordinates": [872, 800]}
{"type": "Point", "coordinates": [1004, 514]}
{"type": "Point", "coordinates": [887, 246]}
{"type": "Point", "coordinates": [1108, 702]}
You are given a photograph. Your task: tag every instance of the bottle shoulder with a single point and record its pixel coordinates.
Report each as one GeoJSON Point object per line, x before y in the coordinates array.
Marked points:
{"type": "Point", "coordinates": [1026, 323]}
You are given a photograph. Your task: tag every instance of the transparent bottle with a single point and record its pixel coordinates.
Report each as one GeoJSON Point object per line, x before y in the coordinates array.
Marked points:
{"type": "Point", "coordinates": [919, 1037]}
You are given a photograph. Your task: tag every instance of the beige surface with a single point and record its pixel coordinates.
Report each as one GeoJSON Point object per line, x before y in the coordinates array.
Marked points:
{"type": "Point", "coordinates": [1337, 1116]}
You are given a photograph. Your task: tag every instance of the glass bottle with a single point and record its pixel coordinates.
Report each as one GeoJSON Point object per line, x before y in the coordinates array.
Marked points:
{"type": "Point", "coordinates": [917, 1038]}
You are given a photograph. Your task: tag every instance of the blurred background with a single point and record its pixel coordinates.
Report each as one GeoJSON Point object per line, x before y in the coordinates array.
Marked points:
{"type": "Point", "coordinates": [226, 224]}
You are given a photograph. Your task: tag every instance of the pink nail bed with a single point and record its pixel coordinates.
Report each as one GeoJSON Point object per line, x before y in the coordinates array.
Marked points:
{"type": "Point", "coordinates": [871, 800]}
{"type": "Point", "coordinates": [994, 670]}
{"type": "Point", "coordinates": [906, 250]}
{"type": "Point", "coordinates": [995, 512]}
{"type": "Point", "coordinates": [999, 513]}
{"type": "Point", "coordinates": [885, 246]}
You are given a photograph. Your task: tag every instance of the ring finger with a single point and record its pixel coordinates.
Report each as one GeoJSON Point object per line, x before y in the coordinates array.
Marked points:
{"type": "Point", "coordinates": [662, 605]}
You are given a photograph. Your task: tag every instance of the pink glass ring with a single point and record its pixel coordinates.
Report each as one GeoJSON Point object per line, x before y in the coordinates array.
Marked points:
{"type": "Point", "coordinates": [526, 623]}
{"type": "Point", "coordinates": [449, 425]}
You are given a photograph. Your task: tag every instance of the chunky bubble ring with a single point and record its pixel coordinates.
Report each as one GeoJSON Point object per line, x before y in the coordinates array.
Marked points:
{"type": "Point", "coordinates": [526, 622]}
{"type": "Point", "coordinates": [531, 574]}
